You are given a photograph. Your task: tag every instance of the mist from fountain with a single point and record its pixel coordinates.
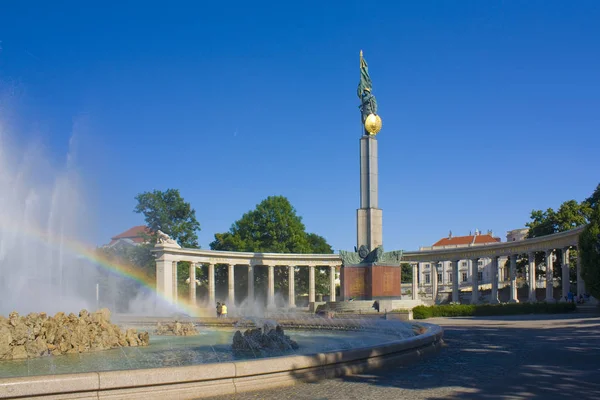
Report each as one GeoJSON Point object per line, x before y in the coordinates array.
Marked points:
{"type": "Point", "coordinates": [40, 211]}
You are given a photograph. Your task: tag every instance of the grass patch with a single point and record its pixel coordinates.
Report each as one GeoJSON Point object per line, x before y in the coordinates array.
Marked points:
{"type": "Point", "coordinates": [469, 310]}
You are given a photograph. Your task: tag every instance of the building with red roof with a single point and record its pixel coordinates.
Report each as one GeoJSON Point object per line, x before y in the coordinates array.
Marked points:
{"type": "Point", "coordinates": [131, 237]}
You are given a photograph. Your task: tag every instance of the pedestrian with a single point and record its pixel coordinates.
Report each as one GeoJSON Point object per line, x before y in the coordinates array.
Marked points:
{"type": "Point", "coordinates": [223, 310]}
{"type": "Point", "coordinates": [219, 309]}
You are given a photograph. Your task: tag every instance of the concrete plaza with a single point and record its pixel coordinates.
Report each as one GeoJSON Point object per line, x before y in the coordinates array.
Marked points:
{"type": "Point", "coordinates": [516, 357]}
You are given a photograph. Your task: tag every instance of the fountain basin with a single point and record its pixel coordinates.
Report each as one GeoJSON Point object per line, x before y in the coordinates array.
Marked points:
{"type": "Point", "coordinates": [205, 380]}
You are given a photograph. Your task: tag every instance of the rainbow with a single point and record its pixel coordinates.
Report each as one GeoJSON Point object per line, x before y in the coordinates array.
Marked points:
{"type": "Point", "coordinates": [93, 255]}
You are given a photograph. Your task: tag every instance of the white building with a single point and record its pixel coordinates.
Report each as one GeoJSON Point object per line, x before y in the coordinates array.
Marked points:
{"type": "Point", "coordinates": [444, 270]}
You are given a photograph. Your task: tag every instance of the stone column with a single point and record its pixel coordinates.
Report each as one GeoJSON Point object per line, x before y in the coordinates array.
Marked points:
{"type": "Point", "coordinates": [311, 284]}
{"type": "Point", "coordinates": [291, 287]}
{"type": "Point", "coordinates": [231, 284]}
{"type": "Point", "coordinates": [434, 281]}
{"type": "Point", "coordinates": [164, 277]}
{"type": "Point", "coordinates": [455, 292]}
{"type": "Point", "coordinates": [566, 284]}
{"type": "Point", "coordinates": [192, 284]}
{"type": "Point", "coordinates": [513, 279]}
{"type": "Point", "coordinates": [415, 281]}
{"type": "Point", "coordinates": [211, 285]}
{"type": "Point", "coordinates": [331, 283]}
{"type": "Point", "coordinates": [250, 283]}
{"type": "Point", "coordinates": [271, 287]}
{"type": "Point", "coordinates": [549, 276]}
{"type": "Point", "coordinates": [174, 281]}
{"type": "Point", "coordinates": [494, 299]}
{"type": "Point", "coordinates": [580, 282]}
{"type": "Point", "coordinates": [475, 280]}
{"type": "Point", "coordinates": [532, 278]}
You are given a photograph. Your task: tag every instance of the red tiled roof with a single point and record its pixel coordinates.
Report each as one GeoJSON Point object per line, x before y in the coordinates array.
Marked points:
{"type": "Point", "coordinates": [462, 240]}
{"type": "Point", "coordinates": [134, 234]}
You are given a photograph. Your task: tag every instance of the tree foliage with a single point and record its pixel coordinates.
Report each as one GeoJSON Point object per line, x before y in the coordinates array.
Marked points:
{"type": "Point", "coordinates": [169, 212]}
{"type": "Point", "coordinates": [589, 247]}
{"type": "Point", "coordinates": [274, 227]}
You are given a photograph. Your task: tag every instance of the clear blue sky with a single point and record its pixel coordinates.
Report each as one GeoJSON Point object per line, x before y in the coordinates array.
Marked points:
{"type": "Point", "coordinates": [490, 109]}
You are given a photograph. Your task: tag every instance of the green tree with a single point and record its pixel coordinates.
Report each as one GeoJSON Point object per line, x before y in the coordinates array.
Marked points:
{"type": "Point", "coordinates": [589, 248]}
{"type": "Point", "coordinates": [168, 212]}
{"type": "Point", "coordinates": [406, 273]}
{"type": "Point", "coordinates": [274, 227]}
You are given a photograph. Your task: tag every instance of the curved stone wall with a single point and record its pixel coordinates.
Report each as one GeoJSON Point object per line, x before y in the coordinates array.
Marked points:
{"type": "Point", "coordinates": [207, 380]}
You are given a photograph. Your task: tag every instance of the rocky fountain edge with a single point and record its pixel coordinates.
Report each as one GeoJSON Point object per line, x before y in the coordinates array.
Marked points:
{"type": "Point", "coordinates": [206, 380]}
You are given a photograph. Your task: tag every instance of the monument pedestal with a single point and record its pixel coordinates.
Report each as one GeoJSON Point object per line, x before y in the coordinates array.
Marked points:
{"type": "Point", "coordinates": [372, 281]}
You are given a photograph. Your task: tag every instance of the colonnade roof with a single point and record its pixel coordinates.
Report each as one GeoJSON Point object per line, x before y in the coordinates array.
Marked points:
{"type": "Point", "coordinates": [555, 241]}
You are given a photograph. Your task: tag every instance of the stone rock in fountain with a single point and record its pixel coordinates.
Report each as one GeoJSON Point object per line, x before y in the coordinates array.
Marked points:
{"type": "Point", "coordinates": [37, 335]}
{"type": "Point", "coordinates": [177, 329]}
{"type": "Point", "coordinates": [257, 340]}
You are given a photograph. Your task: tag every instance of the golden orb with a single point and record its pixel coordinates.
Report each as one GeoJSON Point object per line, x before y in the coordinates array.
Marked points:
{"type": "Point", "coordinates": [373, 124]}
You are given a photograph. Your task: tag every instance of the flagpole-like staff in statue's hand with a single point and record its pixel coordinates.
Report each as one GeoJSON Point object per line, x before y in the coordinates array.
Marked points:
{"type": "Point", "coordinates": [368, 105]}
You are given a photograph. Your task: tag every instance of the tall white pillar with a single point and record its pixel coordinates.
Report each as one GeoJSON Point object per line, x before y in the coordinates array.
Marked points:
{"type": "Point", "coordinates": [455, 292]}
{"type": "Point", "coordinates": [174, 282]}
{"type": "Point", "coordinates": [549, 276]}
{"type": "Point", "coordinates": [231, 284]}
{"type": "Point", "coordinates": [311, 284]}
{"type": "Point", "coordinates": [211, 285]}
{"type": "Point", "coordinates": [580, 282]}
{"type": "Point", "coordinates": [513, 279]}
{"type": "Point", "coordinates": [164, 277]}
{"type": "Point", "coordinates": [291, 287]}
{"type": "Point", "coordinates": [415, 281]}
{"type": "Point", "coordinates": [271, 287]}
{"type": "Point", "coordinates": [332, 283]}
{"type": "Point", "coordinates": [434, 281]}
{"type": "Point", "coordinates": [566, 284]}
{"type": "Point", "coordinates": [250, 283]}
{"type": "Point", "coordinates": [532, 278]}
{"type": "Point", "coordinates": [494, 299]}
{"type": "Point", "coordinates": [475, 280]}
{"type": "Point", "coordinates": [192, 283]}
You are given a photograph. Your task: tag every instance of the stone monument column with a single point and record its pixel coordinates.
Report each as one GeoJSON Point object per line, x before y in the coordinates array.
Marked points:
{"type": "Point", "coordinates": [231, 284]}
{"type": "Point", "coordinates": [311, 285]}
{"type": "Point", "coordinates": [513, 279]}
{"type": "Point", "coordinates": [174, 282]}
{"type": "Point", "coordinates": [550, 275]}
{"type": "Point", "coordinates": [434, 281]}
{"type": "Point", "coordinates": [475, 280]}
{"type": "Point", "coordinates": [332, 283]}
{"type": "Point", "coordinates": [566, 281]}
{"type": "Point", "coordinates": [291, 287]}
{"type": "Point", "coordinates": [271, 287]}
{"type": "Point", "coordinates": [495, 277]}
{"type": "Point", "coordinates": [580, 282]}
{"type": "Point", "coordinates": [250, 283]}
{"type": "Point", "coordinates": [192, 284]}
{"type": "Point", "coordinates": [532, 279]}
{"type": "Point", "coordinates": [211, 285]}
{"type": "Point", "coordinates": [455, 292]}
{"type": "Point", "coordinates": [415, 281]}
{"type": "Point", "coordinates": [369, 215]}
{"type": "Point", "coordinates": [164, 277]}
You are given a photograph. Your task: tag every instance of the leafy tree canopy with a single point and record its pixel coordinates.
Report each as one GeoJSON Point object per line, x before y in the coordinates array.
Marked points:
{"type": "Point", "coordinates": [168, 212]}
{"type": "Point", "coordinates": [589, 248]}
{"type": "Point", "coordinates": [571, 214]}
{"type": "Point", "coordinates": [272, 227]}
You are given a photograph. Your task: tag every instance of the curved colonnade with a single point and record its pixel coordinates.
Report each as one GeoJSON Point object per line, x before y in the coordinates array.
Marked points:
{"type": "Point", "coordinates": [168, 255]}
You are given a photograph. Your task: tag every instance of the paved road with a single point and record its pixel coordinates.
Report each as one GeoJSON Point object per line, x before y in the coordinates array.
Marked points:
{"type": "Point", "coordinates": [485, 358]}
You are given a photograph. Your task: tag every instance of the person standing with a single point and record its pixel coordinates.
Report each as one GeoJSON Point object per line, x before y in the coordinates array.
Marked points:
{"type": "Point", "coordinates": [219, 309]}
{"type": "Point", "coordinates": [223, 310]}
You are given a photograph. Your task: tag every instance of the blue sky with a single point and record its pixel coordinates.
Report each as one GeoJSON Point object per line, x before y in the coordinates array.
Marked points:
{"type": "Point", "coordinates": [490, 109]}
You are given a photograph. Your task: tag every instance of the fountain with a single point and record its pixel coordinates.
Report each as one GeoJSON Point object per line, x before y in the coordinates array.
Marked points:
{"type": "Point", "coordinates": [43, 270]}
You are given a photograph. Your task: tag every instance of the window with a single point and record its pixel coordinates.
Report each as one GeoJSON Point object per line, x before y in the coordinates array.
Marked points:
{"type": "Point", "coordinates": [427, 279]}
{"type": "Point", "coordinates": [463, 264]}
{"type": "Point", "coordinates": [480, 276]}
{"type": "Point", "coordinates": [480, 263]}
{"type": "Point", "coordinates": [464, 276]}
{"type": "Point", "coordinates": [439, 277]}
{"type": "Point", "coordinates": [450, 277]}
{"type": "Point", "coordinates": [426, 265]}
